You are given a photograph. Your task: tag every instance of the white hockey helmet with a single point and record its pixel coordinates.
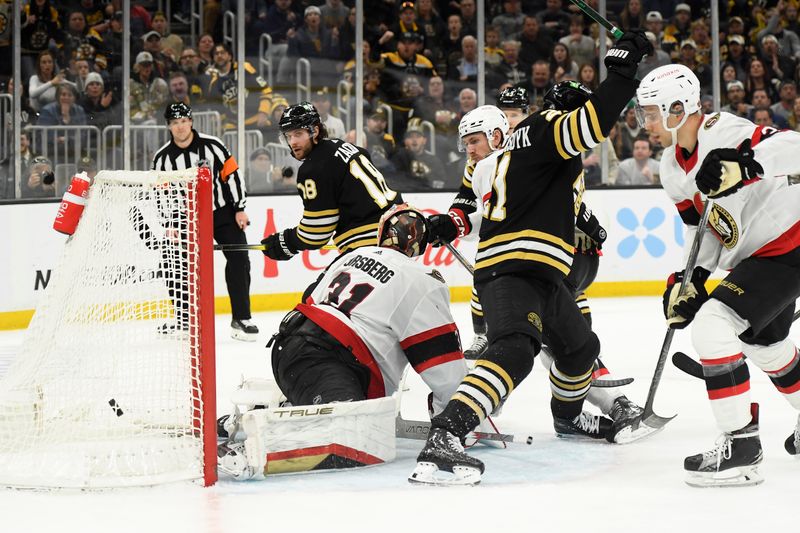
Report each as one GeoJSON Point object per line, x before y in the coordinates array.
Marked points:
{"type": "Point", "coordinates": [485, 119]}
{"type": "Point", "coordinates": [665, 87]}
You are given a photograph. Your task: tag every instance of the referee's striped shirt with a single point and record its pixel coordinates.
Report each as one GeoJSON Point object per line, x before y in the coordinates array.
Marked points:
{"type": "Point", "coordinates": [228, 186]}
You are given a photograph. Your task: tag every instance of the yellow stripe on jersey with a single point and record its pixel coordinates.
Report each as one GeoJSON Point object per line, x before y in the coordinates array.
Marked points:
{"type": "Point", "coordinates": [463, 398]}
{"type": "Point", "coordinates": [318, 243]}
{"type": "Point", "coordinates": [500, 371]}
{"type": "Point", "coordinates": [318, 229]}
{"type": "Point", "coordinates": [575, 136]}
{"type": "Point", "coordinates": [525, 256]}
{"type": "Point", "coordinates": [360, 229]}
{"type": "Point", "coordinates": [372, 241]}
{"type": "Point", "coordinates": [569, 248]}
{"type": "Point", "coordinates": [486, 389]}
{"type": "Point", "coordinates": [595, 122]}
{"type": "Point", "coordinates": [558, 141]}
{"type": "Point", "coordinates": [317, 214]}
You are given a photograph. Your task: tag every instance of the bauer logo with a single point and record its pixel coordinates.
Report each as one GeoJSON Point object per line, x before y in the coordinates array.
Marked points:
{"type": "Point", "coordinates": [641, 232]}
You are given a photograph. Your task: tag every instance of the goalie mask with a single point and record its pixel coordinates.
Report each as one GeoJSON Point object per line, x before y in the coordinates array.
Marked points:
{"type": "Point", "coordinates": [484, 119]}
{"type": "Point", "coordinates": [405, 229]}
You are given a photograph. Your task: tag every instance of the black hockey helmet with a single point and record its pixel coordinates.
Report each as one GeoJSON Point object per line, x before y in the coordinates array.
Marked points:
{"type": "Point", "coordinates": [405, 229]}
{"type": "Point", "coordinates": [566, 96]}
{"type": "Point", "coordinates": [177, 110]}
{"type": "Point", "coordinates": [302, 115]}
{"type": "Point", "coordinates": [514, 98]}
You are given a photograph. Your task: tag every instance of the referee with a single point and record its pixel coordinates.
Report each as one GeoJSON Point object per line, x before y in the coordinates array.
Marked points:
{"type": "Point", "coordinates": [188, 148]}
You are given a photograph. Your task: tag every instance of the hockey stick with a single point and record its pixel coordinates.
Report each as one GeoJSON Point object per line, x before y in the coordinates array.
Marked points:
{"type": "Point", "coordinates": [649, 418]}
{"type": "Point", "coordinates": [692, 367]}
{"type": "Point", "coordinates": [261, 247]}
{"type": "Point", "coordinates": [461, 259]}
{"type": "Point", "coordinates": [597, 17]}
{"type": "Point", "coordinates": [418, 430]}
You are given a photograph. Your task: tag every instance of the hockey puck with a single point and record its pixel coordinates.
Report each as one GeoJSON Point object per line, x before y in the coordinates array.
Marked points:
{"type": "Point", "coordinates": [529, 441]}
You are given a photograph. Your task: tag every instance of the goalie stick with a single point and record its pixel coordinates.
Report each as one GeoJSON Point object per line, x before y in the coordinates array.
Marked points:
{"type": "Point", "coordinates": [689, 365]}
{"type": "Point", "coordinates": [260, 247]}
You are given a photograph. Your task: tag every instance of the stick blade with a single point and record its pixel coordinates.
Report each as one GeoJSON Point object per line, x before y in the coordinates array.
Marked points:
{"type": "Point", "coordinates": [655, 421]}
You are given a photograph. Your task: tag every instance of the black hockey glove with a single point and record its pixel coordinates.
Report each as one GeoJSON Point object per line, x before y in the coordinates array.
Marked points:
{"type": "Point", "coordinates": [277, 247]}
{"type": "Point", "coordinates": [447, 227]}
{"type": "Point", "coordinates": [589, 234]}
{"type": "Point", "coordinates": [679, 312]}
{"type": "Point", "coordinates": [624, 57]}
{"type": "Point", "coordinates": [725, 170]}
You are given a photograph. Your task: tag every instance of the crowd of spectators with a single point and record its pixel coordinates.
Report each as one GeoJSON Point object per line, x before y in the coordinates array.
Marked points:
{"type": "Point", "coordinates": [420, 75]}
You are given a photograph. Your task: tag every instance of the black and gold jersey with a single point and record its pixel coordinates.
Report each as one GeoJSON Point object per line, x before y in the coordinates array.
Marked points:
{"type": "Point", "coordinates": [344, 196]}
{"type": "Point", "coordinates": [532, 190]}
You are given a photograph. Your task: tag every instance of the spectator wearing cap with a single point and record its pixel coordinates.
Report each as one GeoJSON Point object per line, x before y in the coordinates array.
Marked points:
{"type": "Point", "coordinates": [316, 43]}
{"type": "Point", "coordinates": [171, 44]}
{"type": "Point", "coordinates": [380, 143]}
{"type": "Point", "coordinates": [509, 22]}
{"type": "Point", "coordinates": [628, 131]}
{"type": "Point", "coordinates": [88, 165]}
{"type": "Point", "coordinates": [148, 91]}
{"type": "Point", "coordinates": [737, 56]}
{"type": "Point", "coordinates": [271, 133]}
{"type": "Point", "coordinates": [784, 107]}
{"type": "Point", "coordinates": [688, 58]}
{"type": "Point", "coordinates": [262, 177]}
{"type": "Point", "coordinates": [632, 15]}
{"type": "Point", "coordinates": [163, 63]}
{"type": "Point", "coordinates": [223, 90]}
{"type": "Point", "coordinates": [735, 96]}
{"type": "Point", "coordinates": [788, 41]}
{"type": "Point", "coordinates": [99, 104]}
{"type": "Point", "coordinates": [417, 169]}
{"type": "Point", "coordinates": [680, 27]}
{"type": "Point", "coordinates": [654, 23]}
{"type": "Point", "coordinates": [407, 20]}
{"type": "Point", "coordinates": [322, 101]}
{"type": "Point", "coordinates": [581, 46]}
{"type": "Point", "coordinates": [658, 58]}
{"type": "Point", "coordinates": [782, 66]}
{"type": "Point", "coordinates": [400, 64]}
{"type": "Point", "coordinates": [554, 19]}
{"type": "Point", "coordinates": [535, 43]}
{"type": "Point", "coordinates": [113, 41]}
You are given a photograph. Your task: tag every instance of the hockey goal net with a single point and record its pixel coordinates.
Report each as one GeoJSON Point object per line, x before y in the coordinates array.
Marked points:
{"type": "Point", "coordinates": [114, 384]}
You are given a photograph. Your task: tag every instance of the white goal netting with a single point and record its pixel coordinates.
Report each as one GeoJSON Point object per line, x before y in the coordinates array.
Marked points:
{"type": "Point", "coordinates": [107, 389]}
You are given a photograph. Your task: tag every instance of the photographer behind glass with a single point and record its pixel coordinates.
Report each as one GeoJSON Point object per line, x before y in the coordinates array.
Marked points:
{"type": "Point", "coordinates": [40, 181]}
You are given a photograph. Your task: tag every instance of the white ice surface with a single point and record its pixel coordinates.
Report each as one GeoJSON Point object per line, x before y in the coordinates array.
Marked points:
{"type": "Point", "coordinates": [550, 486]}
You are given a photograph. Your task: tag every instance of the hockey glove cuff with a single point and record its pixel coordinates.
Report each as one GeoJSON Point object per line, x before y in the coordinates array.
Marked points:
{"type": "Point", "coordinates": [589, 234]}
{"type": "Point", "coordinates": [681, 310]}
{"type": "Point", "coordinates": [725, 170]}
{"type": "Point", "coordinates": [624, 57]}
{"type": "Point", "coordinates": [277, 246]}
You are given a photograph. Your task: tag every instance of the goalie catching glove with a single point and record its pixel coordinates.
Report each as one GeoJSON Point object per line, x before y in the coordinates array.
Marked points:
{"type": "Point", "coordinates": [680, 311]}
{"type": "Point", "coordinates": [726, 170]}
{"type": "Point", "coordinates": [447, 227]}
{"type": "Point", "coordinates": [277, 247]}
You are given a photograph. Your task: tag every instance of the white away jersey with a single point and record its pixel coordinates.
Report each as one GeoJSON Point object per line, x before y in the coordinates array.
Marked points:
{"type": "Point", "coordinates": [391, 310]}
{"type": "Point", "coordinates": [761, 219]}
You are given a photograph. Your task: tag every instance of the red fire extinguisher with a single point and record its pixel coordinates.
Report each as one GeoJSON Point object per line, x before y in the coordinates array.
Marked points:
{"type": "Point", "coordinates": [72, 204]}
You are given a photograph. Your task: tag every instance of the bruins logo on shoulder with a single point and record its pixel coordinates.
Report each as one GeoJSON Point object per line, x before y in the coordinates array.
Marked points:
{"type": "Point", "coordinates": [534, 319]}
{"type": "Point", "coordinates": [724, 226]}
{"type": "Point", "coordinates": [711, 121]}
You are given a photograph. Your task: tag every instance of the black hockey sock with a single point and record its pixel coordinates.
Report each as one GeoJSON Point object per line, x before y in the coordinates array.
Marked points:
{"type": "Point", "coordinates": [478, 324]}
{"type": "Point", "coordinates": [458, 418]}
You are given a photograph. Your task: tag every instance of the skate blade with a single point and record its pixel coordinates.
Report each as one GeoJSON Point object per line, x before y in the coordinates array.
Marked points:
{"type": "Point", "coordinates": [240, 335]}
{"type": "Point", "coordinates": [628, 435]}
{"type": "Point", "coordinates": [429, 474]}
{"type": "Point", "coordinates": [743, 476]}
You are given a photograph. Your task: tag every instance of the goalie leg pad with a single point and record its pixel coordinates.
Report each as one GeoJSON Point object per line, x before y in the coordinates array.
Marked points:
{"type": "Point", "coordinates": [330, 436]}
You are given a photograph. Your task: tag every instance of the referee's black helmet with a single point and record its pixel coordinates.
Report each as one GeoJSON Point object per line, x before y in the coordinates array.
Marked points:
{"type": "Point", "coordinates": [177, 110]}
{"type": "Point", "coordinates": [566, 96]}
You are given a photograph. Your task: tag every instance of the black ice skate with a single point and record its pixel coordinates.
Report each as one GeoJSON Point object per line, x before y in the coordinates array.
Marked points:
{"type": "Point", "coordinates": [443, 452]}
{"type": "Point", "coordinates": [627, 426]}
{"type": "Point", "coordinates": [584, 425]}
{"type": "Point", "coordinates": [244, 330]}
{"type": "Point", "coordinates": [733, 461]}
{"type": "Point", "coordinates": [479, 345]}
{"type": "Point", "coordinates": [792, 443]}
